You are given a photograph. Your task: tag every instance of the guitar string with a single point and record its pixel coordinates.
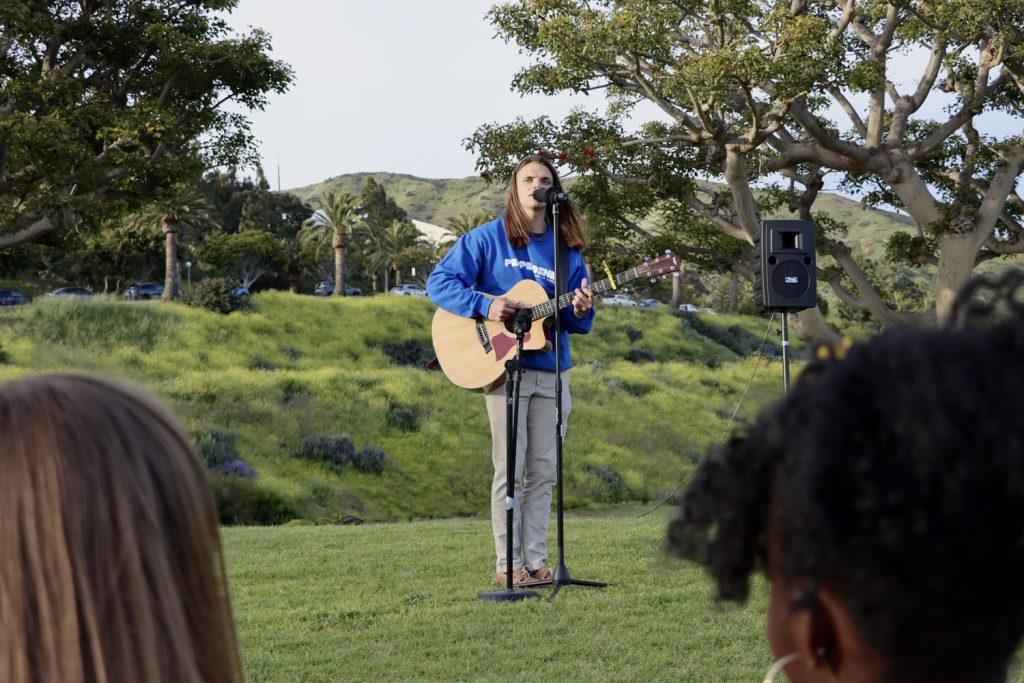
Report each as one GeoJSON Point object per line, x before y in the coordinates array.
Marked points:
{"type": "Point", "coordinates": [545, 309]}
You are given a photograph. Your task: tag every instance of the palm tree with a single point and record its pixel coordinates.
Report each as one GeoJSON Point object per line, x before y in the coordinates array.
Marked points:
{"type": "Point", "coordinates": [186, 211]}
{"type": "Point", "coordinates": [463, 223]}
{"type": "Point", "coordinates": [335, 219]}
{"type": "Point", "coordinates": [385, 248]}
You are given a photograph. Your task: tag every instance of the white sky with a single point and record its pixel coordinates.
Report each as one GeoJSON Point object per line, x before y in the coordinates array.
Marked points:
{"type": "Point", "coordinates": [387, 85]}
{"type": "Point", "coordinates": [396, 85]}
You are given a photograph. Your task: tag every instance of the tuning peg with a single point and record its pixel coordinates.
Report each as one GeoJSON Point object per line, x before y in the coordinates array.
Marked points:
{"type": "Point", "coordinates": [653, 280]}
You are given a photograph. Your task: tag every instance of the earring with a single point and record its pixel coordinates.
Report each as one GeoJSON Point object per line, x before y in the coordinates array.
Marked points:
{"type": "Point", "coordinates": [778, 666]}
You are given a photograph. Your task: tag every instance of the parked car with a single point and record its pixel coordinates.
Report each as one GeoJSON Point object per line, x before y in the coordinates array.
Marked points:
{"type": "Point", "coordinates": [239, 292]}
{"type": "Point", "coordinates": [650, 303]}
{"type": "Point", "coordinates": [144, 290]}
{"type": "Point", "coordinates": [70, 291]}
{"type": "Point", "coordinates": [12, 297]}
{"type": "Point", "coordinates": [689, 308]}
{"type": "Point", "coordinates": [618, 300]}
{"type": "Point", "coordinates": [326, 288]}
{"type": "Point", "coordinates": [408, 290]}
{"type": "Point", "coordinates": [709, 311]}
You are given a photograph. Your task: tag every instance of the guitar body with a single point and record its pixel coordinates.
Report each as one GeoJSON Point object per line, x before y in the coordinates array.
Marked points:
{"type": "Point", "coordinates": [473, 352]}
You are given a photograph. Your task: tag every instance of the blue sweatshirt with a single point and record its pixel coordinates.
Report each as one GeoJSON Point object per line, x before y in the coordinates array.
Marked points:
{"type": "Point", "coordinates": [483, 260]}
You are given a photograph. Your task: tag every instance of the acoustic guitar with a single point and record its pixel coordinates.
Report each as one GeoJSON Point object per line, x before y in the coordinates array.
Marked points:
{"type": "Point", "coordinates": [472, 351]}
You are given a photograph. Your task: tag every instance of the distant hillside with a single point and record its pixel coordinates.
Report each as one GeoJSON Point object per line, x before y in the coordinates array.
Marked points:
{"type": "Point", "coordinates": [436, 200]}
{"type": "Point", "coordinates": [425, 199]}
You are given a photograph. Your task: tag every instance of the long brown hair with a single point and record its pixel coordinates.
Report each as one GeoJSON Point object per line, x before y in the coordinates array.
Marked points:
{"type": "Point", "coordinates": [517, 224]}
{"type": "Point", "coordinates": [111, 566]}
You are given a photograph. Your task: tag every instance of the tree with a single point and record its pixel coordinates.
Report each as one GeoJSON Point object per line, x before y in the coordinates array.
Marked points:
{"type": "Point", "coordinates": [102, 259]}
{"type": "Point", "coordinates": [335, 220]}
{"type": "Point", "coordinates": [278, 212]}
{"type": "Point", "coordinates": [463, 223]}
{"type": "Point", "coordinates": [745, 88]}
{"type": "Point", "coordinates": [105, 105]}
{"type": "Point", "coordinates": [395, 247]}
{"type": "Point", "coordinates": [185, 210]}
{"type": "Point", "coordinates": [246, 255]}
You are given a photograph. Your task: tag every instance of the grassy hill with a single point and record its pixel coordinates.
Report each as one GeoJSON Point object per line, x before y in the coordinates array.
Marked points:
{"type": "Point", "coordinates": [651, 392]}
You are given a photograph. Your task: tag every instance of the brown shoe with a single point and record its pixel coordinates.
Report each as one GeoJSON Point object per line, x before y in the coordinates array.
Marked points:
{"type": "Point", "coordinates": [542, 574]}
{"type": "Point", "coordinates": [519, 576]}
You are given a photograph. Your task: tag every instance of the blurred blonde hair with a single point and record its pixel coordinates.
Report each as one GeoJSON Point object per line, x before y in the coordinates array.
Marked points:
{"type": "Point", "coordinates": [111, 566]}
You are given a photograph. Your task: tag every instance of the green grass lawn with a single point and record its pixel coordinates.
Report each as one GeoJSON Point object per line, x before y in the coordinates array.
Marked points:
{"type": "Point", "coordinates": [400, 601]}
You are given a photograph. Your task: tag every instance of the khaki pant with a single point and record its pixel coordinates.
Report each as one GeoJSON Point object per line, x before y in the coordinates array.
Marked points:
{"type": "Point", "coordinates": [535, 467]}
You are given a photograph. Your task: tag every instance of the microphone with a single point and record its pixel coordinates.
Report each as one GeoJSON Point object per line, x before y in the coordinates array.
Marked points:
{"type": "Point", "coordinates": [551, 195]}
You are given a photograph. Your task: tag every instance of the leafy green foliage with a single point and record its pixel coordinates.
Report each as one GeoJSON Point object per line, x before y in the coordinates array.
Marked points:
{"type": "Point", "coordinates": [408, 352]}
{"type": "Point", "coordinates": [240, 500]}
{"type": "Point", "coordinates": [403, 417]}
{"type": "Point", "coordinates": [370, 459]}
{"type": "Point", "coordinates": [214, 294]}
{"type": "Point", "coordinates": [127, 105]}
{"type": "Point", "coordinates": [218, 446]}
{"type": "Point", "coordinates": [334, 450]}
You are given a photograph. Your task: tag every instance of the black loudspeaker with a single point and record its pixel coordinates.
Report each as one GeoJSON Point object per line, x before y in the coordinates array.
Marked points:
{"type": "Point", "coordinates": [785, 267]}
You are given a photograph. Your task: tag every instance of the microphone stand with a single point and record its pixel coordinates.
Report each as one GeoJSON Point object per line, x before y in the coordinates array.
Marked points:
{"type": "Point", "coordinates": [560, 576]}
{"type": "Point", "coordinates": [513, 374]}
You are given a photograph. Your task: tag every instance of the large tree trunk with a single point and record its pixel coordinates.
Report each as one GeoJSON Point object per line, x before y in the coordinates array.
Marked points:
{"type": "Point", "coordinates": [171, 277]}
{"type": "Point", "coordinates": [676, 290]}
{"type": "Point", "coordinates": [338, 243]}
{"type": "Point", "coordinates": [293, 281]}
{"type": "Point", "coordinates": [810, 327]}
{"type": "Point", "coordinates": [957, 252]}
{"type": "Point", "coordinates": [386, 281]}
{"type": "Point", "coordinates": [398, 276]}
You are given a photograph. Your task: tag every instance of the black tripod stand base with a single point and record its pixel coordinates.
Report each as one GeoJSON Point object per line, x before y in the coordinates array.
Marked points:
{"type": "Point", "coordinates": [506, 595]}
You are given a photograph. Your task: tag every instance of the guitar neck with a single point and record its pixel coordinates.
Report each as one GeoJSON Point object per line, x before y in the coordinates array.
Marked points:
{"type": "Point", "coordinates": [548, 307]}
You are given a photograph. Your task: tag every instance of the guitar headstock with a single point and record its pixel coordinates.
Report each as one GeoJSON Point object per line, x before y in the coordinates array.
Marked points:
{"type": "Point", "coordinates": [663, 264]}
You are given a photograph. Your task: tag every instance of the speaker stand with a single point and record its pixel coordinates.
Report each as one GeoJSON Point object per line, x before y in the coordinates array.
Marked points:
{"type": "Point", "coordinates": [785, 353]}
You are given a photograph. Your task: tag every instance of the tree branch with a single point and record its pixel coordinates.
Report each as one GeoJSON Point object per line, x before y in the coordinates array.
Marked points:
{"type": "Point", "coordinates": [711, 214]}
{"type": "Point", "coordinates": [840, 98]}
{"type": "Point", "coordinates": [37, 229]}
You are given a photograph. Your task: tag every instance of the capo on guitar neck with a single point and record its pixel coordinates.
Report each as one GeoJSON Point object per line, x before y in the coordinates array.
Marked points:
{"type": "Point", "coordinates": [611, 278]}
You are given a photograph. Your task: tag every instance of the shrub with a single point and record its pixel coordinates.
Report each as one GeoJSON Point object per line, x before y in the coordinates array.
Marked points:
{"type": "Point", "coordinates": [261, 363]}
{"type": "Point", "coordinates": [370, 459]}
{"type": "Point", "coordinates": [290, 389]}
{"type": "Point", "coordinates": [736, 338]}
{"type": "Point", "coordinates": [403, 417]}
{"type": "Point", "coordinates": [640, 356]}
{"type": "Point", "coordinates": [611, 487]}
{"type": "Point", "coordinates": [217, 447]}
{"type": "Point", "coordinates": [237, 468]}
{"type": "Point", "coordinates": [408, 352]}
{"type": "Point", "coordinates": [290, 351]}
{"type": "Point", "coordinates": [4, 358]}
{"type": "Point", "coordinates": [637, 388]}
{"type": "Point", "coordinates": [634, 334]}
{"type": "Point", "coordinates": [214, 294]}
{"type": "Point", "coordinates": [240, 501]}
{"type": "Point", "coordinates": [334, 450]}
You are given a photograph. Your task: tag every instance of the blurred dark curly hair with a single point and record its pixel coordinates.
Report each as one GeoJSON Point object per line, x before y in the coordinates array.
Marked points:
{"type": "Point", "coordinates": [896, 476]}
